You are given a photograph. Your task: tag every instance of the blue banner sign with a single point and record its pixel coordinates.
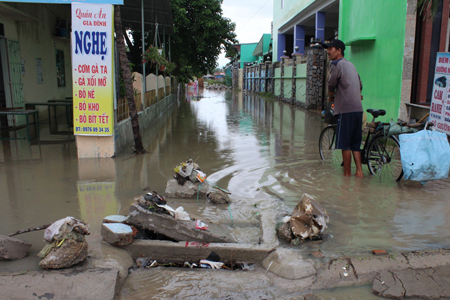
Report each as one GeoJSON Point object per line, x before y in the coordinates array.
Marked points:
{"type": "Point", "coordinates": [119, 2]}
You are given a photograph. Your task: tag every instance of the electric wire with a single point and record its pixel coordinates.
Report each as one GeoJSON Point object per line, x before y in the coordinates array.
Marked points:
{"type": "Point", "coordinates": [252, 16]}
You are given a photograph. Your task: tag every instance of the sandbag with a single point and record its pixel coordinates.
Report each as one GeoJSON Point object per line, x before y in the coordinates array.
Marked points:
{"type": "Point", "coordinates": [425, 155]}
{"type": "Point", "coordinates": [396, 129]}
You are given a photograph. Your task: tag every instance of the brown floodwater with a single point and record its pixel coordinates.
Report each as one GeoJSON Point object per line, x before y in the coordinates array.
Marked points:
{"type": "Point", "coordinates": [256, 149]}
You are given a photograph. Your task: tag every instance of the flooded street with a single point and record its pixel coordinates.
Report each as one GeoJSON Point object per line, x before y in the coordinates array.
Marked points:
{"type": "Point", "coordinates": [255, 149]}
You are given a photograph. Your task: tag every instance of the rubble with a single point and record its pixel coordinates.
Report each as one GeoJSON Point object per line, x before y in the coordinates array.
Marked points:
{"type": "Point", "coordinates": [175, 229]}
{"type": "Point", "coordinates": [218, 197]}
{"type": "Point", "coordinates": [114, 219]}
{"type": "Point", "coordinates": [66, 244]}
{"type": "Point", "coordinates": [308, 220]}
{"type": "Point", "coordinates": [284, 232]}
{"type": "Point", "coordinates": [188, 190]}
{"type": "Point", "coordinates": [117, 234]}
{"type": "Point", "coordinates": [69, 253]}
{"type": "Point", "coordinates": [12, 248]}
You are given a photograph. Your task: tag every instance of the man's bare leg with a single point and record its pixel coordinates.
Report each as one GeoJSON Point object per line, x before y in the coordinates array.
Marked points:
{"type": "Point", "coordinates": [347, 157]}
{"type": "Point", "coordinates": [357, 159]}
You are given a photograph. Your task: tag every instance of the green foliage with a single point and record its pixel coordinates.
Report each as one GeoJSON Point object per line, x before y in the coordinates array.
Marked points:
{"type": "Point", "coordinates": [200, 32]}
{"type": "Point", "coordinates": [153, 55]}
{"type": "Point", "coordinates": [422, 5]}
{"type": "Point", "coordinates": [267, 95]}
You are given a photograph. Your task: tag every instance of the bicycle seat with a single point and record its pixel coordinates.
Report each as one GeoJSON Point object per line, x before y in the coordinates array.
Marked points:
{"type": "Point", "coordinates": [376, 112]}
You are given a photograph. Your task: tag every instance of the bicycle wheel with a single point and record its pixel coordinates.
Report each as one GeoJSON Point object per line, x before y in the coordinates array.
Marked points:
{"type": "Point", "coordinates": [383, 157]}
{"type": "Point", "coordinates": [327, 145]}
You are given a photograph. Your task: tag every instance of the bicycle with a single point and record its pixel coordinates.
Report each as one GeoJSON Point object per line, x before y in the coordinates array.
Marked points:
{"type": "Point", "coordinates": [380, 152]}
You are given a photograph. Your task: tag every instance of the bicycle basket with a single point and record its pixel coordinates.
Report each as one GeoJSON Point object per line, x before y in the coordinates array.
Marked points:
{"type": "Point", "coordinates": [329, 117]}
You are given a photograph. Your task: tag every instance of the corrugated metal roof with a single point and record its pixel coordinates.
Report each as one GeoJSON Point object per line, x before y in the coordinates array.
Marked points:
{"type": "Point", "coordinates": [155, 11]}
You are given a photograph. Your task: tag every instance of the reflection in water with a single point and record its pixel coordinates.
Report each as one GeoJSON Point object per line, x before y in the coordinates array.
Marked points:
{"type": "Point", "coordinates": [255, 149]}
{"type": "Point", "coordinates": [97, 200]}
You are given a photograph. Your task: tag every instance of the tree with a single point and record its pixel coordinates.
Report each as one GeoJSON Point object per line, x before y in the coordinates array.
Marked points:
{"type": "Point", "coordinates": [200, 33]}
{"type": "Point", "coordinates": [128, 80]}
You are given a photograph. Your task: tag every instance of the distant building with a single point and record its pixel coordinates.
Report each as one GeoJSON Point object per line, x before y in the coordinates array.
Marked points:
{"type": "Point", "coordinates": [219, 76]}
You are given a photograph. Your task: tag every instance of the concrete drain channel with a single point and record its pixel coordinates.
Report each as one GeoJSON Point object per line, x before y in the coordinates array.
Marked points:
{"type": "Point", "coordinates": [292, 271]}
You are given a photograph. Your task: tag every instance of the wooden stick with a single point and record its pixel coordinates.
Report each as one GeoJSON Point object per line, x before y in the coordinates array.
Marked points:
{"type": "Point", "coordinates": [30, 229]}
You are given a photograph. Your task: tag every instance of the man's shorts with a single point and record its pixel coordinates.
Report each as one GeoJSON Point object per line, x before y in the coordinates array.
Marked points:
{"type": "Point", "coordinates": [349, 131]}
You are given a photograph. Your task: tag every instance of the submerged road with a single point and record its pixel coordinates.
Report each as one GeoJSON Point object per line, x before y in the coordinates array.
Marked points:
{"type": "Point", "coordinates": [254, 148]}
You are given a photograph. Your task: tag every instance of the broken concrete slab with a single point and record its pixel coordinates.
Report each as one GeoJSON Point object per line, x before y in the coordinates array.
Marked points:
{"type": "Point", "coordinates": [430, 283]}
{"type": "Point", "coordinates": [117, 234]}
{"type": "Point", "coordinates": [64, 284]}
{"type": "Point", "coordinates": [283, 263]}
{"type": "Point", "coordinates": [188, 190]}
{"type": "Point", "coordinates": [364, 269]}
{"type": "Point", "coordinates": [12, 248]}
{"type": "Point", "coordinates": [165, 251]}
{"type": "Point", "coordinates": [114, 219]}
{"type": "Point", "coordinates": [176, 229]}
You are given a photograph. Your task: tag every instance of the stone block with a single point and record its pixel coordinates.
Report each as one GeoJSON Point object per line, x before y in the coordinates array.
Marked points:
{"type": "Point", "coordinates": [114, 219]}
{"type": "Point", "coordinates": [117, 234]}
{"type": "Point", "coordinates": [188, 190]}
{"type": "Point", "coordinates": [12, 249]}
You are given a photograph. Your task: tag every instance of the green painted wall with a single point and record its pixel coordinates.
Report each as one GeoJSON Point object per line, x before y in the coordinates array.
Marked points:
{"type": "Point", "coordinates": [300, 83]}
{"type": "Point", "coordinates": [277, 83]}
{"type": "Point", "coordinates": [247, 53]}
{"type": "Point", "coordinates": [374, 33]}
{"type": "Point", "coordinates": [287, 82]}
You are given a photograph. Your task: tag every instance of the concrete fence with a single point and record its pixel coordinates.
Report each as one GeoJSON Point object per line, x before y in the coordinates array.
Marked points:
{"type": "Point", "coordinates": [298, 80]}
{"type": "Point", "coordinates": [157, 88]}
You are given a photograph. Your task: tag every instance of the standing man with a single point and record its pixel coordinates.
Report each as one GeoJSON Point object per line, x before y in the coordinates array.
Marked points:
{"type": "Point", "coordinates": [344, 89]}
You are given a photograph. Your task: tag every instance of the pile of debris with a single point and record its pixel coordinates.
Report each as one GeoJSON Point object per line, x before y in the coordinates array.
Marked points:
{"type": "Point", "coordinates": [216, 87]}
{"type": "Point", "coordinates": [213, 261]}
{"type": "Point", "coordinates": [308, 220]}
{"type": "Point", "coordinates": [150, 216]}
{"type": "Point", "coordinates": [66, 244]}
{"type": "Point", "coordinates": [190, 182]}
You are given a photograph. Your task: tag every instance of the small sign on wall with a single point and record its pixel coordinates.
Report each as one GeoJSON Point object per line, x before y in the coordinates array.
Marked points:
{"type": "Point", "coordinates": [440, 101]}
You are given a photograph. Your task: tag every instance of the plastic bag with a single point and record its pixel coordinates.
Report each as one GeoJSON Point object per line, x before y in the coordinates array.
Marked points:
{"type": "Point", "coordinates": [425, 155]}
{"type": "Point", "coordinates": [200, 225]}
{"type": "Point", "coordinates": [181, 214]}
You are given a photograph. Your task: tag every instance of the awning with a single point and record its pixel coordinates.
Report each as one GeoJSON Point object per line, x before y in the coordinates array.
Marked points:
{"type": "Point", "coordinates": [263, 45]}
